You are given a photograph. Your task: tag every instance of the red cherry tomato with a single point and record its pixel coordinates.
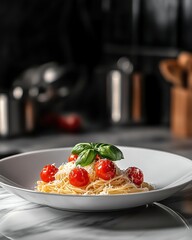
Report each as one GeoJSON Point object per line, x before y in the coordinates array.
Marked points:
{"type": "Point", "coordinates": [135, 175]}
{"type": "Point", "coordinates": [48, 173]}
{"type": "Point", "coordinates": [79, 177]}
{"type": "Point", "coordinates": [105, 169]}
{"type": "Point", "coordinates": [71, 123]}
{"type": "Point", "coordinates": [72, 157]}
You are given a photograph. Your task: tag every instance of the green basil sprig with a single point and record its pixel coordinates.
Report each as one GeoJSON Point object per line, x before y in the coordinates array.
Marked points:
{"type": "Point", "coordinates": [87, 151]}
{"type": "Point", "coordinates": [80, 147]}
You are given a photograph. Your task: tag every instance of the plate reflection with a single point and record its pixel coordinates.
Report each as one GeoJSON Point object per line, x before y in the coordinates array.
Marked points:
{"type": "Point", "coordinates": [34, 220]}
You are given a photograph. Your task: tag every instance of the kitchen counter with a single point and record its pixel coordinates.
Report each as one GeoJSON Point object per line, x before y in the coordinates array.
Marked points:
{"type": "Point", "coordinates": [158, 138]}
{"type": "Point", "coordinates": [22, 220]}
{"type": "Point", "coordinates": [169, 219]}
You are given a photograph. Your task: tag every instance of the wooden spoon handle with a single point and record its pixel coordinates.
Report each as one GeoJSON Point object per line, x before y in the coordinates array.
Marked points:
{"type": "Point", "coordinates": [185, 60]}
{"type": "Point", "coordinates": [172, 72]}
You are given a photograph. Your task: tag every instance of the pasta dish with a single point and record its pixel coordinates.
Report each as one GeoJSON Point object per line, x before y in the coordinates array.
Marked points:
{"type": "Point", "coordinates": [120, 184]}
{"type": "Point", "coordinates": [91, 173]}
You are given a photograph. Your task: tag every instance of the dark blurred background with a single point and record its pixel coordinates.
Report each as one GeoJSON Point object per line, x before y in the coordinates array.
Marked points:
{"type": "Point", "coordinates": [57, 58]}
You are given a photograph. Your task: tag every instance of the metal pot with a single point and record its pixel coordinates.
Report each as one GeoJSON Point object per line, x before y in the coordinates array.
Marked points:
{"type": "Point", "coordinates": [17, 113]}
{"type": "Point", "coordinates": [119, 92]}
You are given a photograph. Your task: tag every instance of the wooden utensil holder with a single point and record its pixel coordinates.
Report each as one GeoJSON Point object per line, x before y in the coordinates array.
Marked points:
{"type": "Point", "coordinates": [181, 112]}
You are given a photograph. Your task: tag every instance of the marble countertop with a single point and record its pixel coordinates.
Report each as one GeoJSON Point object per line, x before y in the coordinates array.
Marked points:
{"type": "Point", "coordinates": [168, 219]}
{"type": "Point", "coordinates": [159, 138]}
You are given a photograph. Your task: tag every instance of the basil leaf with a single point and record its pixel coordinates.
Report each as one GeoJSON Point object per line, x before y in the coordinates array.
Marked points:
{"type": "Point", "coordinates": [93, 145]}
{"type": "Point", "coordinates": [78, 148]}
{"type": "Point", "coordinates": [86, 157]}
{"type": "Point", "coordinates": [110, 151]}
{"type": "Point", "coordinates": [98, 145]}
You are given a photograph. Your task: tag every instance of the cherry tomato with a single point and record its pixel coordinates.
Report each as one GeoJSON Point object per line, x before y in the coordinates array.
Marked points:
{"type": "Point", "coordinates": [135, 175]}
{"type": "Point", "coordinates": [48, 173]}
{"type": "Point", "coordinates": [71, 122]}
{"type": "Point", "coordinates": [79, 177]}
{"type": "Point", "coordinates": [72, 157]}
{"type": "Point", "coordinates": [105, 169]}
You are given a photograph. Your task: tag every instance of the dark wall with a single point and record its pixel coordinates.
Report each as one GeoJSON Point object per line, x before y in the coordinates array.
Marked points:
{"type": "Point", "coordinates": [38, 31]}
{"type": "Point", "coordinates": [94, 33]}
{"type": "Point", "coordinates": [165, 23]}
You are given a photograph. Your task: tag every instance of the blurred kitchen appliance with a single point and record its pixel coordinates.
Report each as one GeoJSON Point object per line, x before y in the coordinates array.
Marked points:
{"type": "Point", "coordinates": [11, 115]}
{"type": "Point", "coordinates": [42, 90]}
{"type": "Point", "coordinates": [50, 81]}
{"type": "Point", "coordinates": [119, 92]}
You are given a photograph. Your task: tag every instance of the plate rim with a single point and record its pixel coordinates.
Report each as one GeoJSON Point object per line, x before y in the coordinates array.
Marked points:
{"type": "Point", "coordinates": [88, 195]}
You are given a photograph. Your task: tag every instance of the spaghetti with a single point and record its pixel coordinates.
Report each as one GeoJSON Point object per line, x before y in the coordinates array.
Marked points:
{"type": "Point", "coordinates": [120, 184]}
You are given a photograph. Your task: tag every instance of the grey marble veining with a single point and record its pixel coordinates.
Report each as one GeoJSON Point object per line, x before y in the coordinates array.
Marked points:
{"type": "Point", "coordinates": [22, 220]}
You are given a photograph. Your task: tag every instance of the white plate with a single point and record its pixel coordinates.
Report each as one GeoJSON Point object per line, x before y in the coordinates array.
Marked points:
{"type": "Point", "coordinates": [159, 168]}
